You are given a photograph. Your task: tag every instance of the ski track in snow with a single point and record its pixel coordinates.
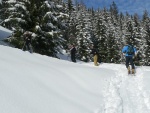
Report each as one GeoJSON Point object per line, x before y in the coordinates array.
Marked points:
{"type": "Point", "coordinates": [137, 93]}
{"type": "Point", "coordinates": [132, 89]}
{"type": "Point", "coordinates": [113, 102]}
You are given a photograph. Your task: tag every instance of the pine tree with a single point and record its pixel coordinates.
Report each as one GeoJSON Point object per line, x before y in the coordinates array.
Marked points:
{"type": "Point", "coordinates": [49, 28]}
{"type": "Point", "coordinates": [146, 46]}
{"type": "Point", "coordinates": [147, 51]}
{"type": "Point", "coordinates": [112, 49]}
{"type": "Point", "coordinates": [70, 6]}
{"type": "Point", "coordinates": [129, 32]}
{"type": "Point", "coordinates": [114, 10]}
{"type": "Point", "coordinates": [121, 34]}
{"type": "Point", "coordinates": [83, 34]}
{"type": "Point", "coordinates": [13, 14]}
{"type": "Point", "coordinates": [44, 18]}
{"type": "Point", "coordinates": [145, 16]}
{"type": "Point", "coordinates": [138, 38]}
{"type": "Point", "coordinates": [71, 22]}
{"type": "Point", "coordinates": [113, 55]}
{"type": "Point", "coordinates": [15, 18]}
{"type": "Point", "coordinates": [100, 38]}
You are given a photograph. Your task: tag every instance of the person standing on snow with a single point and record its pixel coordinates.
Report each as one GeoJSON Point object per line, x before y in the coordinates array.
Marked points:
{"type": "Point", "coordinates": [129, 52]}
{"type": "Point", "coordinates": [73, 53]}
{"type": "Point", "coordinates": [27, 43]}
{"type": "Point", "coordinates": [94, 52]}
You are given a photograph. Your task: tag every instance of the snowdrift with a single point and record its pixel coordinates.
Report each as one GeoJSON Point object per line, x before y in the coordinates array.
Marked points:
{"type": "Point", "coordinates": [33, 83]}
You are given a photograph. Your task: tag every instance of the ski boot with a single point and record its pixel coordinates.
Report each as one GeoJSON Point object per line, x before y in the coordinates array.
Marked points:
{"type": "Point", "coordinates": [128, 70]}
{"type": "Point", "coordinates": [133, 71]}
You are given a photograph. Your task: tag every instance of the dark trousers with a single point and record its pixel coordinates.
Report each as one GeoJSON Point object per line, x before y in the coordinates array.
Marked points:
{"type": "Point", "coordinates": [73, 58]}
{"type": "Point", "coordinates": [129, 60]}
{"type": "Point", "coordinates": [27, 46]}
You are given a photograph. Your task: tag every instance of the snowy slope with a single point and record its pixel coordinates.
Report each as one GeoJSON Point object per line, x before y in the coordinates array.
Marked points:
{"type": "Point", "coordinates": [4, 33]}
{"type": "Point", "coordinates": [32, 83]}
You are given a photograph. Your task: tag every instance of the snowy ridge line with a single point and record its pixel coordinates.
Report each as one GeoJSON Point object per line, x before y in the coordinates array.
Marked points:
{"type": "Point", "coordinates": [113, 102]}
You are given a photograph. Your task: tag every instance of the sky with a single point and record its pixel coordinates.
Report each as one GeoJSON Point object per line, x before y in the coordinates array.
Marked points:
{"type": "Point", "coordinates": [130, 6]}
{"type": "Point", "coordinates": [34, 83]}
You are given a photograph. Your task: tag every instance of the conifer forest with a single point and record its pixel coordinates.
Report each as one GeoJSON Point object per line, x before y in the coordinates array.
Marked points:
{"type": "Point", "coordinates": [57, 24]}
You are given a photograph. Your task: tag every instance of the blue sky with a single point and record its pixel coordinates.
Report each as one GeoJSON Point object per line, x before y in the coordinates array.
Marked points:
{"type": "Point", "coordinates": [131, 6]}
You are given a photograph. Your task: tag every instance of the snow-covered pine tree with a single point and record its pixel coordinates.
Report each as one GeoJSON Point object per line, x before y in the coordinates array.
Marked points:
{"type": "Point", "coordinates": [100, 38]}
{"type": "Point", "coordinates": [48, 30]}
{"type": "Point", "coordinates": [113, 55]}
{"type": "Point", "coordinates": [83, 34]}
{"type": "Point", "coordinates": [139, 35]}
{"type": "Point", "coordinates": [116, 33]}
{"type": "Point", "coordinates": [146, 59]}
{"type": "Point", "coordinates": [129, 32]}
{"type": "Point", "coordinates": [114, 11]}
{"type": "Point", "coordinates": [112, 49]}
{"type": "Point", "coordinates": [122, 36]}
{"type": "Point", "coordinates": [15, 18]}
{"type": "Point", "coordinates": [146, 45]}
{"type": "Point", "coordinates": [44, 18]}
{"type": "Point", "coordinates": [2, 17]}
{"type": "Point", "coordinates": [70, 7]}
{"type": "Point", "coordinates": [69, 33]}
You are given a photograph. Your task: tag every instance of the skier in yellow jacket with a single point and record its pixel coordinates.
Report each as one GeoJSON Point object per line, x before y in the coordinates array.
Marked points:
{"type": "Point", "coordinates": [95, 55]}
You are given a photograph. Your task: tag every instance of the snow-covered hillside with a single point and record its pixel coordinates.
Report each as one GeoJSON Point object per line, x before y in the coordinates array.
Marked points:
{"type": "Point", "coordinates": [33, 83]}
{"type": "Point", "coordinates": [4, 33]}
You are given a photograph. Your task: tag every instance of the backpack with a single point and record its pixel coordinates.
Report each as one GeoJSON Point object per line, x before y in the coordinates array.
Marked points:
{"type": "Point", "coordinates": [130, 50]}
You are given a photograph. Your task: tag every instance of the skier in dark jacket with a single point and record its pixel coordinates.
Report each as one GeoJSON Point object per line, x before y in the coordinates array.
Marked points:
{"type": "Point", "coordinates": [73, 53]}
{"type": "Point", "coordinates": [27, 43]}
{"type": "Point", "coordinates": [129, 57]}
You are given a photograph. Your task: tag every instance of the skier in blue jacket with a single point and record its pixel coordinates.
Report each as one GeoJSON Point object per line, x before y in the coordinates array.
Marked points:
{"type": "Point", "coordinates": [129, 52]}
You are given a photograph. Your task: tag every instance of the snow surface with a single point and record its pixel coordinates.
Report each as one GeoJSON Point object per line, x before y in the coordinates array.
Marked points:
{"type": "Point", "coordinates": [33, 83]}
{"type": "Point", "coordinates": [4, 33]}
